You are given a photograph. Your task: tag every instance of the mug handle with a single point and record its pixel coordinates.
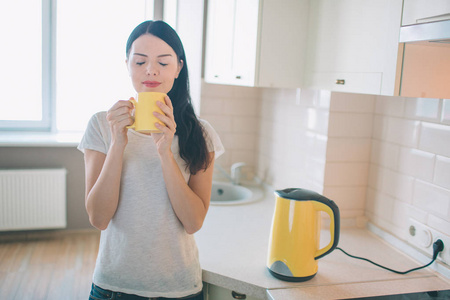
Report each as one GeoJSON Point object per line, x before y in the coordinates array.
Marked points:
{"type": "Point", "coordinates": [328, 206]}
{"type": "Point", "coordinates": [134, 123]}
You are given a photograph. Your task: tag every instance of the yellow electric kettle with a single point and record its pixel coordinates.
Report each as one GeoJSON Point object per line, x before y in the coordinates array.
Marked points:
{"type": "Point", "coordinates": [295, 235]}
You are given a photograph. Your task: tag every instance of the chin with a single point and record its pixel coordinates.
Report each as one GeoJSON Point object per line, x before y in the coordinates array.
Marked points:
{"type": "Point", "coordinates": [157, 89]}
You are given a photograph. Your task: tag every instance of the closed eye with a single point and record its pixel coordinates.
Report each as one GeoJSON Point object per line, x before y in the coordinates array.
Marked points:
{"type": "Point", "coordinates": [140, 63]}
{"type": "Point", "coordinates": [162, 64]}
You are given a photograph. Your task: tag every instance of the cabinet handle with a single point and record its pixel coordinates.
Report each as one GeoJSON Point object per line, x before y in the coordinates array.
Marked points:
{"type": "Point", "coordinates": [238, 296]}
{"type": "Point", "coordinates": [340, 81]}
{"type": "Point", "coordinates": [238, 77]}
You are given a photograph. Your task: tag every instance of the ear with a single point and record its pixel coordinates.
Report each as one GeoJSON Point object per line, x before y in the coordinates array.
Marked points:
{"type": "Point", "coordinates": [180, 67]}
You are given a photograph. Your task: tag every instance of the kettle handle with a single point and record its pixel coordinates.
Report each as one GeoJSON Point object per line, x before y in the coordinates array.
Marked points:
{"type": "Point", "coordinates": [328, 206]}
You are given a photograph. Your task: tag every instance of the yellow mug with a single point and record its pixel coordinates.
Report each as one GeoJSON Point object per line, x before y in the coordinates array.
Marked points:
{"type": "Point", "coordinates": [145, 105]}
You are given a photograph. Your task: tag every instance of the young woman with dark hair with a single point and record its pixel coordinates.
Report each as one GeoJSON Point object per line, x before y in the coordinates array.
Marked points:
{"type": "Point", "coordinates": [149, 193]}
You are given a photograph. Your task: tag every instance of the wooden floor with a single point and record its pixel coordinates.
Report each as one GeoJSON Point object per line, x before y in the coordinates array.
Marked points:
{"type": "Point", "coordinates": [58, 266]}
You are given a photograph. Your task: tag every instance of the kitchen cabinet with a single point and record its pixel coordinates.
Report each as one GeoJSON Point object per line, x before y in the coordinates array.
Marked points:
{"type": "Point", "coordinates": [214, 292]}
{"type": "Point", "coordinates": [353, 45]}
{"type": "Point", "coordinates": [256, 42]}
{"type": "Point", "coordinates": [423, 11]}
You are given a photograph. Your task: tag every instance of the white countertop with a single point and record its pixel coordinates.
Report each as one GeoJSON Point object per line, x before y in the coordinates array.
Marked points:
{"type": "Point", "coordinates": [233, 246]}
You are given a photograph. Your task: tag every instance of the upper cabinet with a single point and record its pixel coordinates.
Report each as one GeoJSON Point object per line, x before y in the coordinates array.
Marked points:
{"type": "Point", "coordinates": [425, 49]}
{"type": "Point", "coordinates": [353, 45]}
{"type": "Point", "coordinates": [424, 11]}
{"type": "Point", "coordinates": [366, 47]}
{"type": "Point", "coordinates": [256, 42]}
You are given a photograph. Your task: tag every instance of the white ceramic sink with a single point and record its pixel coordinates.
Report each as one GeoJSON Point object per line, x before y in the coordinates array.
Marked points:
{"type": "Point", "coordinates": [223, 193]}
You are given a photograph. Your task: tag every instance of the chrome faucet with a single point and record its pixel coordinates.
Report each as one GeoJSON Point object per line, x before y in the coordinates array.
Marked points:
{"type": "Point", "coordinates": [236, 172]}
{"type": "Point", "coordinates": [235, 176]}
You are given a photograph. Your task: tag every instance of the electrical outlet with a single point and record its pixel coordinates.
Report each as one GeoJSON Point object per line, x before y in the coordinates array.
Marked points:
{"type": "Point", "coordinates": [423, 238]}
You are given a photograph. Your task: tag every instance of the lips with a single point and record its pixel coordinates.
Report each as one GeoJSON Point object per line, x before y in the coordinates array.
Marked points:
{"type": "Point", "coordinates": [151, 84]}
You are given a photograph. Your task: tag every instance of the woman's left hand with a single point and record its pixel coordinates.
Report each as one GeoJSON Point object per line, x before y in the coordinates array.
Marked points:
{"type": "Point", "coordinates": [164, 139]}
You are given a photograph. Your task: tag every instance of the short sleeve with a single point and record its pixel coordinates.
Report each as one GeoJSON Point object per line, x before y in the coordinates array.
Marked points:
{"type": "Point", "coordinates": [213, 141]}
{"type": "Point", "coordinates": [96, 136]}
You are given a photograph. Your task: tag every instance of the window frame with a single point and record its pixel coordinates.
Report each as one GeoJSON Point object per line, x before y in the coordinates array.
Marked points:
{"type": "Point", "coordinates": [47, 122]}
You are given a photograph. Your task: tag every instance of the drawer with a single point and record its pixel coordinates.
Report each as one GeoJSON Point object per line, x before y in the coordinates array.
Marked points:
{"type": "Point", "coordinates": [424, 11]}
{"type": "Point", "coordinates": [362, 83]}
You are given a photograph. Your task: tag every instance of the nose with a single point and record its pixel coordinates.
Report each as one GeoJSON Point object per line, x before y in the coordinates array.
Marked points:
{"type": "Point", "coordinates": [152, 69]}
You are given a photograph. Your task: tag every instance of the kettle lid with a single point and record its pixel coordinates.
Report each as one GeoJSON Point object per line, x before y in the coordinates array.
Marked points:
{"type": "Point", "coordinates": [300, 194]}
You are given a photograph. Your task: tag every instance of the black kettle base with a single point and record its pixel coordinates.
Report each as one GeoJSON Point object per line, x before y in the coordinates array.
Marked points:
{"type": "Point", "coordinates": [290, 278]}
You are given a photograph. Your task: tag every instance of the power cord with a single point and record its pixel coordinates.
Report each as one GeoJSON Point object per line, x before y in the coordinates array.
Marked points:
{"type": "Point", "coordinates": [438, 246]}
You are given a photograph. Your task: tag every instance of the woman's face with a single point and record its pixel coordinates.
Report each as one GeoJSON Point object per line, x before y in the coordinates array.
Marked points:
{"type": "Point", "coordinates": [152, 65]}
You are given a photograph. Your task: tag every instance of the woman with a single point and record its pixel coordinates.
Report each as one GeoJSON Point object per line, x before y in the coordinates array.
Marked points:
{"type": "Point", "coordinates": [149, 193]}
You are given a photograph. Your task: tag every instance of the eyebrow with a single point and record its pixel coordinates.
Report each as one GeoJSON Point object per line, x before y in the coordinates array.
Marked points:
{"type": "Point", "coordinates": [144, 55]}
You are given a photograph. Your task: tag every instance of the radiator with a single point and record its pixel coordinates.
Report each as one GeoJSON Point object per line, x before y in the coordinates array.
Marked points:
{"type": "Point", "coordinates": [32, 199]}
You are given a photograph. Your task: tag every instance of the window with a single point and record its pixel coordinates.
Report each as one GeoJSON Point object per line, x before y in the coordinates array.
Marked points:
{"type": "Point", "coordinates": [64, 60]}
{"type": "Point", "coordinates": [25, 41]}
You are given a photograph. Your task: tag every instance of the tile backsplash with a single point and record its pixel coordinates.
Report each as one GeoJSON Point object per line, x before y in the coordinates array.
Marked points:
{"type": "Point", "coordinates": [385, 159]}
{"type": "Point", "coordinates": [410, 164]}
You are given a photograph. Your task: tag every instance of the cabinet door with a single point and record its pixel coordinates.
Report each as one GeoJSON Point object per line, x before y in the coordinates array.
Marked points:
{"type": "Point", "coordinates": [282, 44]}
{"type": "Point", "coordinates": [256, 42]}
{"type": "Point", "coordinates": [355, 39]}
{"type": "Point", "coordinates": [231, 41]}
{"type": "Point", "coordinates": [423, 11]}
{"type": "Point", "coordinates": [245, 42]}
{"type": "Point", "coordinates": [219, 41]}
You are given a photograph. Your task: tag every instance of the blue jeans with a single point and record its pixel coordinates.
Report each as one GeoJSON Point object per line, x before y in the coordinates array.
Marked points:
{"type": "Point", "coordinates": [97, 293]}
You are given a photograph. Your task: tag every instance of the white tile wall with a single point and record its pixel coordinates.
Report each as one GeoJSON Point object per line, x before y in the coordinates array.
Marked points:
{"type": "Point", "coordinates": [346, 174]}
{"type": "Point", "coordinates": [402, 131]}
{"type": "Point", "coordinates": [234, 113]}
{"type": "Point", "coordinates": [385, 154]}
{"type": "Point", "coordinates": [442, 172]}
{"type": "Point", "coordinates": [350, 124]}
{"type": "Point", "coordinates": [431, 198]}
{"type": "Point", "coordinates": [348, 151]}
{"type": "Point", "coordinates": [293, 138]}
{"type": "Point", "coordinates": [422, 109]}
{"type": "Point", "coordinates": [445, 116]}
{"type": "Point", "coordinates": [435, 138]}
{"type": "Point", "coordinates": [387, 158]}
{"type": "Point", "coordinates": [385, 106]}
{"type": "Point", "coordinates": [410, 164]}
{"type": "Point", "coordinates": [396, 184]}
{"type": "Point", "coordinates": [417, 163]}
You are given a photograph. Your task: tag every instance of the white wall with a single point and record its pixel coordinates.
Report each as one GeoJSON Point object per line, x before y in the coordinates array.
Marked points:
{"type": "Point", "coordinates": [410, 164]}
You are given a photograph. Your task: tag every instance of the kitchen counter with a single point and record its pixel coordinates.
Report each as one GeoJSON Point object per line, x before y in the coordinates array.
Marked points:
{"type": "Point", "coordinates": [233, 246]}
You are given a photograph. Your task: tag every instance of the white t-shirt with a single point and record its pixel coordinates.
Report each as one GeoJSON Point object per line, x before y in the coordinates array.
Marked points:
{"type": "Point", "coordinates": [145, 249]}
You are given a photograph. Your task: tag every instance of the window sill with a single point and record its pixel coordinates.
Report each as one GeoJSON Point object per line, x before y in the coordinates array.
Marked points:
{"type": "Point", "coordinates": [40, 139]}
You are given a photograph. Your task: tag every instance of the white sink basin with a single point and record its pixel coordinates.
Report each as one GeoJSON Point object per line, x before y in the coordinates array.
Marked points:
{"type": "Point", "coordinates": [223, 193]}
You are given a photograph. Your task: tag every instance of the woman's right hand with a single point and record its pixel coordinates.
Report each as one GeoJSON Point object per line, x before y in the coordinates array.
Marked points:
{"type": "Point", "coordinates": [119, 116]}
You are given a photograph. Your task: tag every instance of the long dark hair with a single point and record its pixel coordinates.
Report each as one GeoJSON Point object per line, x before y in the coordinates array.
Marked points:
{"type": "Point", "coordinates": [191, 139]}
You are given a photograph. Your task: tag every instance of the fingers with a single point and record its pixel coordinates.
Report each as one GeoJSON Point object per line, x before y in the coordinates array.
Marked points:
{"type": "Point", "coordinates": [120, 114]}
{"type": "Point", "coordinates": [121, 104]}
{"type": "Point", "coordinates": [168, 118]}
{"type": "Point", "coordinates": [168, 102]}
